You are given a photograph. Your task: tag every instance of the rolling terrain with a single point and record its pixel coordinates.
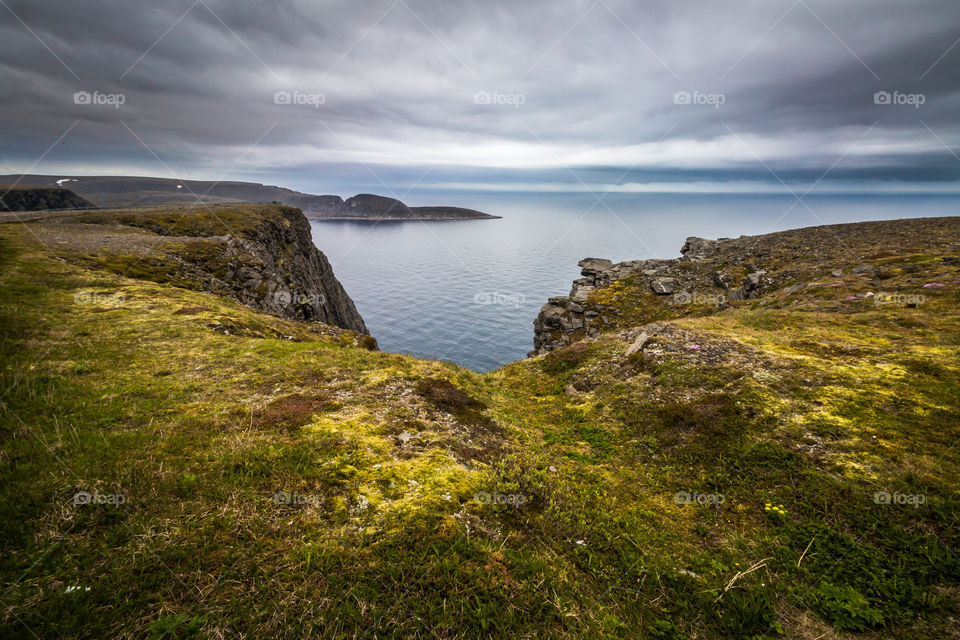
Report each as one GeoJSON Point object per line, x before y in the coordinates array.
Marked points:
{"type": "Point", "coordinates": [176, 463]}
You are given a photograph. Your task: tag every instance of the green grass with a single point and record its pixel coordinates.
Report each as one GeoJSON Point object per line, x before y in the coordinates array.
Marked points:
{"type": "Point", "coordinates": [277, 481]}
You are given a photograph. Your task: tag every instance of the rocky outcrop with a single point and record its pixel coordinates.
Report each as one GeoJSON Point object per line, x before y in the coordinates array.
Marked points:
{"type": "Point", "coordinates": [697, 276]}
{"type": "Point", "coordinates": [712, 274]}
{"type": "Point", "coordinates": [698, 249]}
{"type": "Point", "coordinates": [40, 199]}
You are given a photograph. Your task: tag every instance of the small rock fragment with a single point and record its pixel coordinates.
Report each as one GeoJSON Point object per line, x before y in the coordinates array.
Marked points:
{"type": "Point", "coordinates": [663, 286]}
{"type": "Point", "coordinates": [637, 344]}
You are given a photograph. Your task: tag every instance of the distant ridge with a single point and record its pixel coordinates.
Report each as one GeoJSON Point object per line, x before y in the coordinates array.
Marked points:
{"type": "Point", "coordinates": [132, 191]}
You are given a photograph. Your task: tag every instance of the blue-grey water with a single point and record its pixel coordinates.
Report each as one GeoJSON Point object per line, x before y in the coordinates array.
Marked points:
{"type": "Point", "coordinates": [468, 291]}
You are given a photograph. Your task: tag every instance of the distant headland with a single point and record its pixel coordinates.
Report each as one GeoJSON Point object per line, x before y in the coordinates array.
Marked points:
{"type": "Point", "coordinates": [133, 191]}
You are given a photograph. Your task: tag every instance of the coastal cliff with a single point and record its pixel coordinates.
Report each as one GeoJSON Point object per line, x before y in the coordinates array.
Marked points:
{"type": "Point", "coordinates": [260, 255]}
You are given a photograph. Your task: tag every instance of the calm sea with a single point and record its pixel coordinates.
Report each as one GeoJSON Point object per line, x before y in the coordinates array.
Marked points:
{"type": "Point", "coordinates": [468, 291]}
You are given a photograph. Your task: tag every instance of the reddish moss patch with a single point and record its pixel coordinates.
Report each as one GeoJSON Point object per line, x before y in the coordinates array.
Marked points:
{"type": "Point", "coordinates": [290, 411]}
{"type": "Point", "coordinates": [485, 435]}
{"type": "Point", "coordinates": [446, 396]}
{"type": "Point", "coordinates": [564, 359]}
{"type": "Point", "coordinates": [189, 311]}
{"type": "Point", "coordinates": [368, 342]}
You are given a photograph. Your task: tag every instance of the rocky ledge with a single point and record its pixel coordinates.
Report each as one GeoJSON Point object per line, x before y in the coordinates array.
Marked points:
{"type": "Point", "coordinates": [566, 319]}
{"type": "Point", "coordinates": [712, 275]}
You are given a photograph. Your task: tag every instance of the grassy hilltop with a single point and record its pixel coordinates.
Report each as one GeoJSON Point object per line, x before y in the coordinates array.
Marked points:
{"type": "Point", "coordinates": [175, 464]}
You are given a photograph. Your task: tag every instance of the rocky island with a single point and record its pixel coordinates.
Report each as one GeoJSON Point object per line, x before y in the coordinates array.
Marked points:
{"type": "Point", "coordinates": [366, 206]}
{"type": "Point", "coordinates": [199, 439]}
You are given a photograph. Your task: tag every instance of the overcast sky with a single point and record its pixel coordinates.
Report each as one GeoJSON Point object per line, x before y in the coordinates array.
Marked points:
{"type": "Point", "coordinates": [514, 94]}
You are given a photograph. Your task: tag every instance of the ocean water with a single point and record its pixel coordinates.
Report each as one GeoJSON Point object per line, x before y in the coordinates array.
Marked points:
{"type": "Point", "coordinates": [468, 291]}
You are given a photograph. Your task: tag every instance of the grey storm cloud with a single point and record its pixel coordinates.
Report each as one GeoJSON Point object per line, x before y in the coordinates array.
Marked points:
{"type": "Point", "coordinates": [622, 88]}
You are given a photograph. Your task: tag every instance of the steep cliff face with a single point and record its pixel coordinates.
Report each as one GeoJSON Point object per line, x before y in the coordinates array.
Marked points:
{"type": "Point", "coordinates": [260, 255]}
{"type": "Point", "coordinates": [282, 272]}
